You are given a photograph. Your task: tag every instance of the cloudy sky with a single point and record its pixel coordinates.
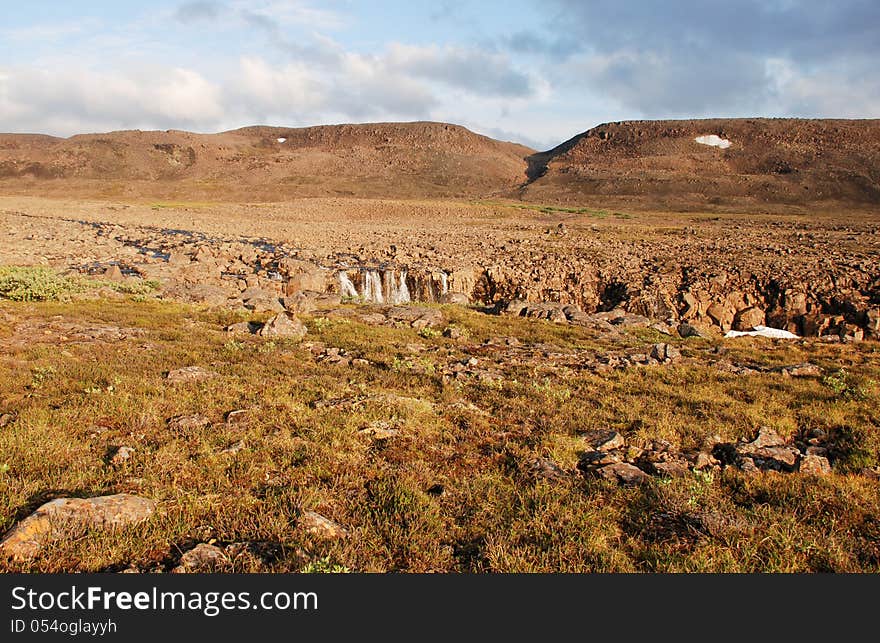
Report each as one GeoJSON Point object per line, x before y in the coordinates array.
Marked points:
{"type": "Point", "coordinates": [533, 72]}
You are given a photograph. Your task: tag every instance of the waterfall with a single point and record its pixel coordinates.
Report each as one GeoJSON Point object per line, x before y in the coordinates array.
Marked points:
{"type": "Point", "coordinates": [398, 293]}
{"type": "Point", "coordinates": [346, 287]}
{"type": "Point", "coordinates": [373, 287]}
{"type": "Point", "coordinates": [444, 283]}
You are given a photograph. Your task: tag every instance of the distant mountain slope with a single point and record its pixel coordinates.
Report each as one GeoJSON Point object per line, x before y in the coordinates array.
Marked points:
{"type": "Point", "coordinates": [419, 159]}
{"type": "Point", "coordinates": [660, 164]}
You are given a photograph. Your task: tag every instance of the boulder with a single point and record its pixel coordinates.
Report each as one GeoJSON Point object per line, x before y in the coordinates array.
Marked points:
{"type": "Point", "coordinates": [202, 558]}
{"type": "Point", "coordinates": [623, 473]}
{"type": "Point", "coordinates": [71, 517]}
{"type": "Point", "coordinates": [283, 325]}
{"type": "Point", "coordinates": [748, 318]}
{"type": "Point", "coordinates": [815, 465]}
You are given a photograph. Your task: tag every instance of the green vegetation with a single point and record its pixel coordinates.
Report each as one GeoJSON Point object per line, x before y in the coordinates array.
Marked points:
{"type": "Point", "coordinates": [447, 487]}
{"type": "Point", "coordinates": [34, 283]}
{"type": "Point", "coordinates": [553, 209]}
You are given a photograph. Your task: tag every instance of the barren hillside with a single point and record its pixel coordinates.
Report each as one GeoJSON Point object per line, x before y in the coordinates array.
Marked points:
{"type": "Point", "coordinates": [753, 162]}
{"type": "Point", "coordinates": [265, 163]}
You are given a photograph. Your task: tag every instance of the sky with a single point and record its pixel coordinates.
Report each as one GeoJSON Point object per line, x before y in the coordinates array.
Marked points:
{"type": "Point", "coordinates": [532, 72]}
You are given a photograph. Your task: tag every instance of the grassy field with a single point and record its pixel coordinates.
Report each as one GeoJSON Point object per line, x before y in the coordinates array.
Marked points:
{"type": "Point", "coordinates": [451, 490]}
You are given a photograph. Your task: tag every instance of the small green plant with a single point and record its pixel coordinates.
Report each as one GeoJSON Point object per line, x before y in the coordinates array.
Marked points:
{"type": "Point", "coordinates": [42, 374]}
{"type": "Point", "coordinates": [20, 283]}
{"type": "Point", "coordinates": [324, 565]}
{"type": "Point", "coordinates": [843, 385]}
{"type": "Point", "coordinates": [429, 333]}
{"type": "Point", "coordinates": [4, 468]}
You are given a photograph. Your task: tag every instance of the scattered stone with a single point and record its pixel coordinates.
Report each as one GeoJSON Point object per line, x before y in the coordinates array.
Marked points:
{"type": "Point", "coordinates": [283, 325]}
{"type": "Point", "coordinates": [748, 318]}
{"type": "Point", "coordinates": [190, 374]}
{"type": "Point", "coordinates": [457, 298]}
{"type": "Point", "coordinates": [767, 437]}
{"type": "Point", "coordinates": [71, 517]}
{"type": "Point", "coordinates": [543, 468]}
{"type": "Point", "coordinates": [6, 419]}
{"type": "Point", "coordinates": [665, 352]}
{"type": "Point", "coordinates": [185, 423]}
{"type": "Point", "coordinates": [689, 329]}
{"type": "Point", "coordinates": [244, 328]}
{"type": "Point", "coordinates": [317, 525]}
{"type": "Point", "coordinates": [606, 440]}
{"type": "Point", "coordinates": [815, 465]}
{"type": "Point", "coordinates": [113, 273]}
{"type": "Point", "coordinates": [202, 558]}
{"type": "Point", "coordinates": [233, 448]}
{"type": "Point", "coordinates": [803, 370]}
{"type": "Point", "coordinates": [238, 416]}
{"type": "Point", "coordinates": [623, 473]}
{"type": "Point", "coordinates": [380, 430]}
{"type": "Point", "coordinates": [671, 468]}
{"type": "Point", "coordinates": [122, 455]}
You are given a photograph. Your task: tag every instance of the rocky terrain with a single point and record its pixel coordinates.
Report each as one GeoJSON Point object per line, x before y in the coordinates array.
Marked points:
{"type": "Point", "coordinates": [812, 276]}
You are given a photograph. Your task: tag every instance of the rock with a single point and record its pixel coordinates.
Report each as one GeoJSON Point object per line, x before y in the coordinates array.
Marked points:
{"type": "Point", "coordinates": [547, 469]}
{"type": "Point", "coordinates": [6, 419]}
{"type": "Point", "coordinates": [803, 370]}
{"type": "Point", "coordinates": [721, 315]}
{"type": "Point", "coordinates": [283, 325]}
{"type": "Point", "coordinates": [593, 459]}
{"type": "Point", "coordinates": [704, 461]}
{"type": "Point", "coordinates": [815, 465]}
{"type": "Point", "coordinates": [457, 298]}
{"type": "Point", "coordinates": [748, 318]}
{"type": "Point", "coordinates": [233, 448]}
{"type": "Point", "coordinates": [779, 458]}
{"type": "Point", "coordinates": [121, 456]}
{"type": "Point", "coordinates": [317, 525]}
{"type": "Point", "coordinates": [238, 416]}
{"type": "Point", "coordinates": [671, 468]}
{"type": "Point", "coordinates": [689, 329]}
{"type": "Point", "coordinates": [113, 273]}
{"type": "Point", "coordinates": [185, 423]}
{"type": "Point", "coordinates": [515, 307]}
{"type": "Point", "coordinates": [664, 352]}
{"type": "Point", "coordinates": [623, 473]}
{"type": "Point", "coordinates": [201, 559]}
{"type": "Point", "coordinates": [264, 303]}
{"type": "Point", "coordinates": [71, 517]}
{"type": "Point", "coordinates": [606, 440]}
{"type": "Point", "coordinates": [380, 430]}
{"type": "Point", "coordinates": [243, 328]}
{"type": "Point", "coordinates": [190, 374]}
{"type": "Point", "coordinates": [767, 437]}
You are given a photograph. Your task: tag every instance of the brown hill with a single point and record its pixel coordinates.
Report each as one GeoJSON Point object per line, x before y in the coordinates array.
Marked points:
{"type": "Point", "coordinates": [658, 164]}
{"type": "Point", "coordinates": [265, 163]}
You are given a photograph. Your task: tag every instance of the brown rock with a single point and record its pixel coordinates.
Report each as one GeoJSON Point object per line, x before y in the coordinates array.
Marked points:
{"type": "Point", "coordinates": [283, 325]}
{"type": "Point", "coordinates": [200, 559]}
{"type": "Point", "coordinates": [623, 473]}
{"type": "Point", "coordinates": [748, 318]}
{"type": "Point", "coordinates": [190, 374]}
{"type": "Point", "coordinates": [815, 465]}
{"type": "Point", "coordinates": [317, 525]}
{"type": "Point", "coordinates": [71, 517]}
{"type": "Point", "coordinates": [606, 440]}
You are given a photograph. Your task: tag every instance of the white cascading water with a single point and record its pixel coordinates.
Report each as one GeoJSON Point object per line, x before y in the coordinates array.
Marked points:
{"type": "Point", "coordinates": [398, 293]}
{"type": "Point", "coordinates": [373, 287]}
{"type": "Point", "coordinates": [444, 283]}
{"type": "Point", "coordinates": [346, 287]}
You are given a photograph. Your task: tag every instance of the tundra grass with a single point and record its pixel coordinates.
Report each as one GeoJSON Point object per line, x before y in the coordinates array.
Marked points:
{"type": "Point", "coordinates": [450, 492]}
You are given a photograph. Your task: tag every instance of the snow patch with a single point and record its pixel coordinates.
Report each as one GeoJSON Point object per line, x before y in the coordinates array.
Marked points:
{"type": "Point", "coordinates": [763, 331]}
{"type": "Point", "coordinates": [713, 140]}
{"type": "Point", "coordinates": [282, 140]}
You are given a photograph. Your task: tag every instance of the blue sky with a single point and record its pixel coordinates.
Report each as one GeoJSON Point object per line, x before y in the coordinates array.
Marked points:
{"type": "Point", "coordinates": [537, 73]}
